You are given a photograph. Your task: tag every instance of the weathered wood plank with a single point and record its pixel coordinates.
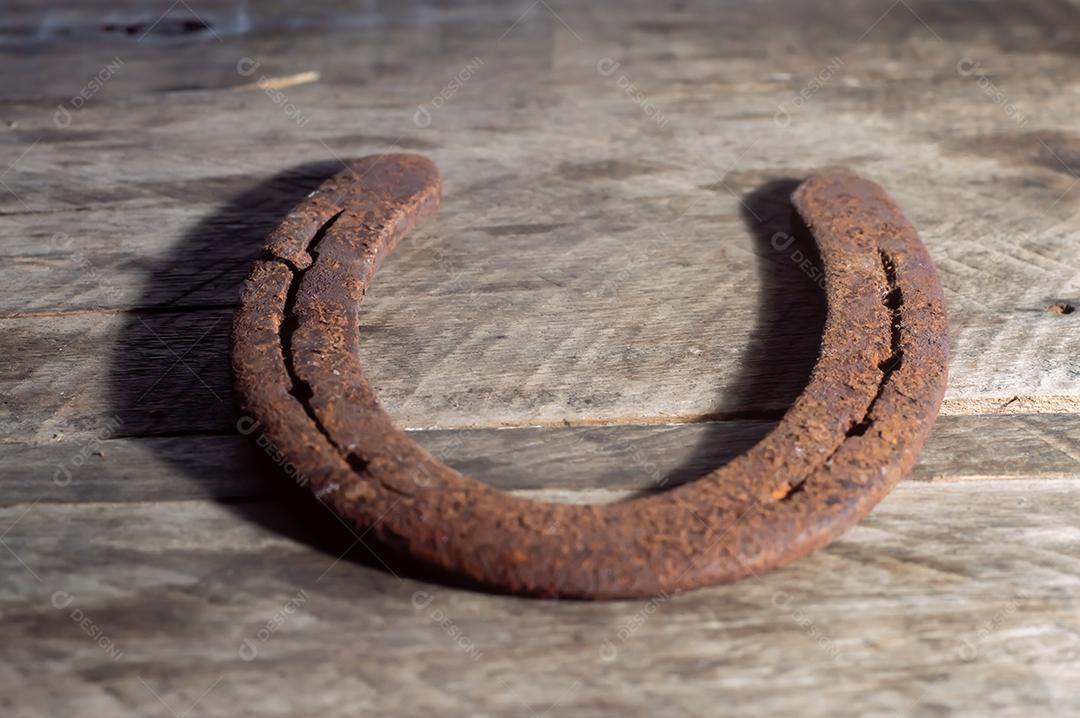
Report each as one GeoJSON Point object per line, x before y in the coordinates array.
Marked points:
{"type": "Point", "coordinates": [549, 252]}
{"type": "Point", "coordinates": [171, 374]}
{"type": "Point", "coordinates": [607, 460]}
{"type": "Point", "coordinates": [578, 311]}
{"type": "Point", "coordinates": [167, 372]}
{"type": "Point", "coordinates": [944, 590]}
{"type": "Point", "coordinates": [411, 378]}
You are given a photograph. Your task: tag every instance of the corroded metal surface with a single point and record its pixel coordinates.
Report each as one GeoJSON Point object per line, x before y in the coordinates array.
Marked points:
{"type": "Point", "coordinates": [849, 437]}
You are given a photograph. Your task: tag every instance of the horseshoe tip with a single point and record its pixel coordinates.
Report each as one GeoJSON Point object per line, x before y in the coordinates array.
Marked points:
{"type": "Point", "coordinates": [396, 177]}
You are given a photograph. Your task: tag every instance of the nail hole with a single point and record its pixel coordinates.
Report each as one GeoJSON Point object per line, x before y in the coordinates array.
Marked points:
{"type": "Point", "coordinates": [1061, 308]}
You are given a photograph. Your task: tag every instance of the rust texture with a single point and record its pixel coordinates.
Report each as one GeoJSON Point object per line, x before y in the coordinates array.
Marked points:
{"type": "Point", "coordinates": [850, 436]}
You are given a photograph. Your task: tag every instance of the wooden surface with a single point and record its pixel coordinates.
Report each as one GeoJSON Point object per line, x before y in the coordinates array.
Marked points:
{"type": "Point", "coordinates": [598, 310]}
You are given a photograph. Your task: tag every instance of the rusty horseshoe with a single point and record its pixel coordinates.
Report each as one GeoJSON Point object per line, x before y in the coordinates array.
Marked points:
{"type": "Point", "coordinates": [855, 430]}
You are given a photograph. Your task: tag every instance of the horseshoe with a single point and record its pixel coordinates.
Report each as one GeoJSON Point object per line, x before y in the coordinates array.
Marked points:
{"type": "Point", "coordinates": [855, 430]}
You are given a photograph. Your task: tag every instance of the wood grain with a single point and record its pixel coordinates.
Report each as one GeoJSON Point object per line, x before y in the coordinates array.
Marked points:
{"type": "Point", "coordinates": [601, 280]}
{"type": "Point", "coordinates": [602, 462]}
{"type": "Point", "coordinates": [166, 372]}
{"type": "Point", "coordinates": [565, 255]}
{"type": "Point", "coordinates": [929, 608]}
